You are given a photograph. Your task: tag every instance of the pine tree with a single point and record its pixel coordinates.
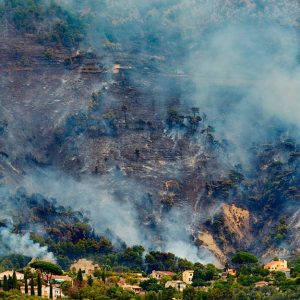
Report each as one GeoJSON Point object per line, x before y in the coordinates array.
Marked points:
{"type": "Point", "coordinates": [31, 287]}
{"type": "Point", "coordinates": [14, 281]}
{"type": "Point", "coordinates": [26, 283]}
{"type": "Point", "coordinates": [39, 285]}
{"type": "Point", "coordinates": [79, 276]}
{"type": "Point", "coordinates": [10, 283]}
{"type": "Point", "coordinates": [51, 291]}
{"type": "Point", "coordinates": [90, 280]}
{"type": "Point", "coordinates": [5, 283]}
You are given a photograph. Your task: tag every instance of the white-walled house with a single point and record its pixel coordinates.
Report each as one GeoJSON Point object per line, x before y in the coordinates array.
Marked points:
{"type": "Point", "coordinates": [56, 291]}
{"type": "Point", "coordinates": [176, 284]}
{"type": "Point", "coordinates": [20, 276]}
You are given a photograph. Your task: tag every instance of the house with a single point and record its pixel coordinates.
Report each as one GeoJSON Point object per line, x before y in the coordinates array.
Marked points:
{"type": "Point", "coordinates": [187, 276]}
{"type": "Point", "coordinates": [231, 272]}
{"type": "Point", "coordinates": [228, 271]}
{"type": "Point", "coordinates": [20, 276]}
{"type": "Point", "coordinates": [261, 284]}
{"type": "Point", "coordinates": [275, 265]}
{"type": "Point", "coordinates": [160, 274]}
{"type": "Point", "coordinates": [278, 266]}
{"type": "Point", "coordinates": [87, 266]}
{"type": "Point", "coordinates": [56, 291]}
{"type": "Point", "coordinates": [176, 284]}
{"type": "Point", "coordinates": [61, 278]}
{"type": "Point", "coordinates": [134, 288]}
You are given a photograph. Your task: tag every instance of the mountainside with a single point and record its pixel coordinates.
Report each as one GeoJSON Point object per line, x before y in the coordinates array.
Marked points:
{"type": "Point", "coordinates": [174, 126]}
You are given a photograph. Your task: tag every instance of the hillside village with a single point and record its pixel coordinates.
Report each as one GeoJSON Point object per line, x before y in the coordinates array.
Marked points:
{"type": "Point", "coordinates": [243, 278]}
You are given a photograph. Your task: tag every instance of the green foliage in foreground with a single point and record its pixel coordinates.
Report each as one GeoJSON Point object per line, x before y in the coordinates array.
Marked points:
{"type": "Point", "coordinates": [221, 291]}
{"type": "Point", "coordinates": [16, 295]}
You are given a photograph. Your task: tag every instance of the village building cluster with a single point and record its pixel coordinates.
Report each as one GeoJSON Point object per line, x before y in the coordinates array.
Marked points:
{"type": "Point", "coordinates": [170, 279]}
{"type": "Point", "coordinates": [56, 281]}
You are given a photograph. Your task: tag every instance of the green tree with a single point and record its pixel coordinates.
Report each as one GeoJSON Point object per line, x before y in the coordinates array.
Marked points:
{"type": "Point", "coordinates": [26, 282]}
{"type": "Point", "coordinates": [189, 293]}
{"type": "Point", "coordinates": [201, 295]}
{"type": "Point", "coordinates": [31, 287]}
{"type": "Point", "coordinates": [5, 283]}
{"type": "Point", "coordinates": [119, 293]}
{"type": "Point", "coordinates": [151, 295]}
{"type": "Point", "coordinates": [79, 277]}
{"type": "Point", "coordinates": [51, 291]}
{"type": "Point", "coordinates": [241, 295]}
{"type": "Point", "coordinates": [203, 274]}
{"type": "Point", "coordinates": [14, 281]}
{"type": "Point", "coordinates": [132, 257]}
{"type": "Point", "coordinates": [243, 257]}
{"type": "Point", "coordinates": [47, 268]}
{"type": "Point", "coordinates": [156, 260]}
{"type": "Point", "coordinates": [184, 264]}
{"type": "Point", "coordinates": [151, 285]}
{"type": "Point", "coordinates": [39, 284]}
{"type": "Point", "coordinates": [260, 270]}
{"type": "Point", "coordinates": [279, 276]}
{"type": "Point", "coordinates": [246, 280]}
{"type": "Point", "coordinates": [168, 294]}
{"type": "Point", "coordinates": [220, 293]}
{"type": "Point", "coordinates": [90, 280]}
{"type": "Point", "coordinates": [10, 283]}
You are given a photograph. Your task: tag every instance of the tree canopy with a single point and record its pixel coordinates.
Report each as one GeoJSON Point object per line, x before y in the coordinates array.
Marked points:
{"type": "Point", "coordinates": [47, 268]}
{"type": "Point", "coordinates": [243, 257]}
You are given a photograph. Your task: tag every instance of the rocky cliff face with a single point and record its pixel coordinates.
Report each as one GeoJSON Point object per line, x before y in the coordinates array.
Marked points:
{"type": "Point", "coordinates": [113, 133]}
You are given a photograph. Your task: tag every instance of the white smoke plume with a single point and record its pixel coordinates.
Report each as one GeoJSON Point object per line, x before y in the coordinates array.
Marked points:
{"type": "Point", "coordinates": [11, 243]}
{"type": "Point", "coordinates": [110, 204]}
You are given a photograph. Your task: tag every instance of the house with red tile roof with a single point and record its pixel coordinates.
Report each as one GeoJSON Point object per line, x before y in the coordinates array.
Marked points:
{"type": "Point", "coordinates": [279, 265]}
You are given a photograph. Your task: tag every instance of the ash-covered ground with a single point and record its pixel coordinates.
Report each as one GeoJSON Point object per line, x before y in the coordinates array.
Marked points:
{"type": "Point", "coordinates": [174, 126]}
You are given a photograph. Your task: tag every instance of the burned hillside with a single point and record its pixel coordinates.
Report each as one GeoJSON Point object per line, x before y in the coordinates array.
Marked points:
{"type": "Point", "coordinates": [127, 132]}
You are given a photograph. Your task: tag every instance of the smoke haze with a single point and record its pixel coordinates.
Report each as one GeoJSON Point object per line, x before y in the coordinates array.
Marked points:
{"type": "Point", "coordinates": [111, 203]}
{"type": "Point", "coordinates": [242, 56]}
{"type": "Point", "coordinates": [239, 63]}
{"type": "Point", "coordinates": [11, 243]}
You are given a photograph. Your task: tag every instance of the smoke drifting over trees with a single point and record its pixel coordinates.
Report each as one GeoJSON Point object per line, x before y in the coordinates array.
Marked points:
{"type": "Point", "coordinates": [236, 62]}
{"type": "Point", "coordinates": [11, 243]}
